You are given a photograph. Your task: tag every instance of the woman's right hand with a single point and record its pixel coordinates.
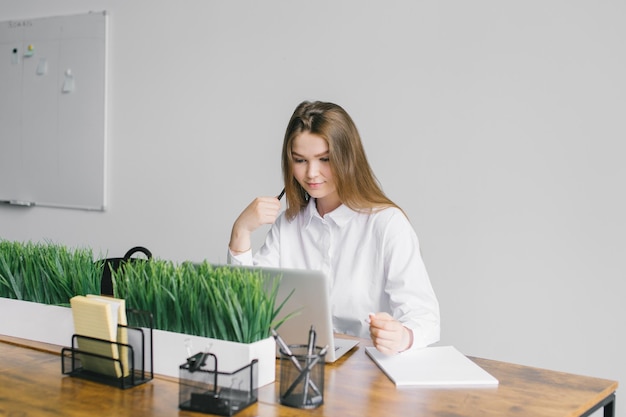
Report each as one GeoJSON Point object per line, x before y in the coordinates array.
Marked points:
{"type": "Point", "coordinates": [262, 210]}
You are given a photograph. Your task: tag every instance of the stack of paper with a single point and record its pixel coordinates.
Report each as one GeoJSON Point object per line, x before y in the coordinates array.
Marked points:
{"type": "Point", "coordinates": [98, 317]}
{"type": "Point", "coordinates": [431, 366]}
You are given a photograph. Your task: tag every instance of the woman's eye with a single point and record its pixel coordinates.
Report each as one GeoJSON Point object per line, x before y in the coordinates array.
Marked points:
{"type": "Point", "coordinates": [298, 160]}
{"type": "Point", "coordinates": [325, 159]}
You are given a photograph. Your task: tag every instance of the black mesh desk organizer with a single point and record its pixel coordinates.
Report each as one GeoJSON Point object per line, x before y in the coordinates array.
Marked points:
{"type": "Point", "coordinates": [122, 365]}
{"type": "Point", "coordinates": [205, 389]}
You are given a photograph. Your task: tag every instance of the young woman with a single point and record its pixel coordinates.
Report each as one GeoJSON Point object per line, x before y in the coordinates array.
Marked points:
{"type": "Point", "coordinates": [339, 221]}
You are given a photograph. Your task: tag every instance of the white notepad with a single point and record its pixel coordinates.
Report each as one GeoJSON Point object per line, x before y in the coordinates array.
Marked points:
{"type": "Point", "coordinates": [438, 366]}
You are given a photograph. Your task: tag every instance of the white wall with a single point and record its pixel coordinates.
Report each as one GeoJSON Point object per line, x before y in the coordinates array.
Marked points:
{"type": "Point", "coordinates": [498, 127]}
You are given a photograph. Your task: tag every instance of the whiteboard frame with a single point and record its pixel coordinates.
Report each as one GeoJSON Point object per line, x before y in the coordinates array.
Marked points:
{"type": "Point", "coordinates": [55, 140]}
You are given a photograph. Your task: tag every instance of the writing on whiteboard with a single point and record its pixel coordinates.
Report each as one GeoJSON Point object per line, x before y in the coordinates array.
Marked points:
{"type": "Point", "coordinates": [14, 24]}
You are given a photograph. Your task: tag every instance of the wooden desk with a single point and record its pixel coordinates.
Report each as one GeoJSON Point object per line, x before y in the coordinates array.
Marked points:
{"type": "Point", "coordinates": [31, 384]}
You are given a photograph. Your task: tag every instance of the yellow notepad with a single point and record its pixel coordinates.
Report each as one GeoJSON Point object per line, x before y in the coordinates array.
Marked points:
{"type": "Point", "coordinates": [98, 317]}
{"type": "Point", "coordinates": [122, 333]}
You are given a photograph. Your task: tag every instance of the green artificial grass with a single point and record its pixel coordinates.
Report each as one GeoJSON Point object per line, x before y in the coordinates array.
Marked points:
{"type": "Point", "coordinates": [47, 273]}
{"type": "Point", "coordinates": [204, 300]}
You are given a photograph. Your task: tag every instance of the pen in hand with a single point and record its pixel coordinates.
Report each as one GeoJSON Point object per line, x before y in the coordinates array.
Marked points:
{"type": "Point", "coordinates": [282, 193]}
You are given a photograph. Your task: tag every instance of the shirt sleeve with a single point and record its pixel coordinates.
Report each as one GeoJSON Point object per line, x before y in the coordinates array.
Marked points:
{"type": "Point", "coordinates": [411, 295]}
{"type": "Point", "coordinates": [268, 255]}
{"type": "Point", "coordinates": [244, 258]}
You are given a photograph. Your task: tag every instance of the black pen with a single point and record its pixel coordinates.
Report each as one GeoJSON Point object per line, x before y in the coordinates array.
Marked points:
{"type": "Point", "coordinates": [283, 346]}
{"type": "Point", "coordinates": [305, 371]}
{"type": "Point", "coordinates": [282, 193]}
{"type": "Point", "coordinates": [310, 349]}
{"type": "Point", "coordinates": [312, 337]}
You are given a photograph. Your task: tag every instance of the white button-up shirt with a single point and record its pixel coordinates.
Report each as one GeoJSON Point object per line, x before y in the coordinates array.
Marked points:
{"type": "Point", "coordinates": [373, 261]}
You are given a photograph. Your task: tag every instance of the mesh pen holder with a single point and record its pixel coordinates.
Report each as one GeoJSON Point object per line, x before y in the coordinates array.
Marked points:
{"type": "Point", "coordinates": [302, 377]}
{"type": "Point", "coordinates": [205, 389]}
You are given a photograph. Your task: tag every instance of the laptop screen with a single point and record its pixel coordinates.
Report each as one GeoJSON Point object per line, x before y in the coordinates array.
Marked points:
{"type": "Point", "coordinates": [309, 305]}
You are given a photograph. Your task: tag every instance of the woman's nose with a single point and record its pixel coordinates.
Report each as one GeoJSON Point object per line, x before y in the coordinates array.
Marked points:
{"type": "Point", "coordinates": [312, 169]}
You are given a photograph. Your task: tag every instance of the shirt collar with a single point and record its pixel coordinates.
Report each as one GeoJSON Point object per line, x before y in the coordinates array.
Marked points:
{"type": "Point", "coordinates": [340, 216]}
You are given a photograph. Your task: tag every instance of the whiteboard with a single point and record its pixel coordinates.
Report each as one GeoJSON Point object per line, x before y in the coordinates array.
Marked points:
{"type": "Point", "coordinates": [53, 111]}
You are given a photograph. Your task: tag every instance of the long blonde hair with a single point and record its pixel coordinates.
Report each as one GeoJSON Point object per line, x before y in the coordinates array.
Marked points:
{"type": "Point", "coordinates": [356, 184]}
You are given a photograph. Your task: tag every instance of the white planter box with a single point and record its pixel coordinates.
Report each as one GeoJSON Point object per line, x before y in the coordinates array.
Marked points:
{"type": "Point", "coordinates": [170, 351]}
{"type": "Point", "coordinates": [54, 325]}
{"type": "Point", "coordinates": [35, 321]}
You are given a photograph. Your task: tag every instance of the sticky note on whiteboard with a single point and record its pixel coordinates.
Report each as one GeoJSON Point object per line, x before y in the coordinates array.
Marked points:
{"type": "Point", "coordinates": [68, 84]}
{"type": "Point", "coordinates": [42, 67]}
{"type": "Point", "coordinates": [15, 57]}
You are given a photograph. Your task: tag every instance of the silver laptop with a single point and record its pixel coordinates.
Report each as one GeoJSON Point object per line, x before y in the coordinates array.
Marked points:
{"type": "Point", "coordinates": [311, 302]}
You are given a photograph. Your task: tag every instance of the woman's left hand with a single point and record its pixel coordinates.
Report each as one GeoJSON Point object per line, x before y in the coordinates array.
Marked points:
{"type": "Point", "coordinates": [388, 334]}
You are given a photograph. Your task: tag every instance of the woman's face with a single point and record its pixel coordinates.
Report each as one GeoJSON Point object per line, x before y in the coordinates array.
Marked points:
{"type": "Point", "coordinates": [311, 168]}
